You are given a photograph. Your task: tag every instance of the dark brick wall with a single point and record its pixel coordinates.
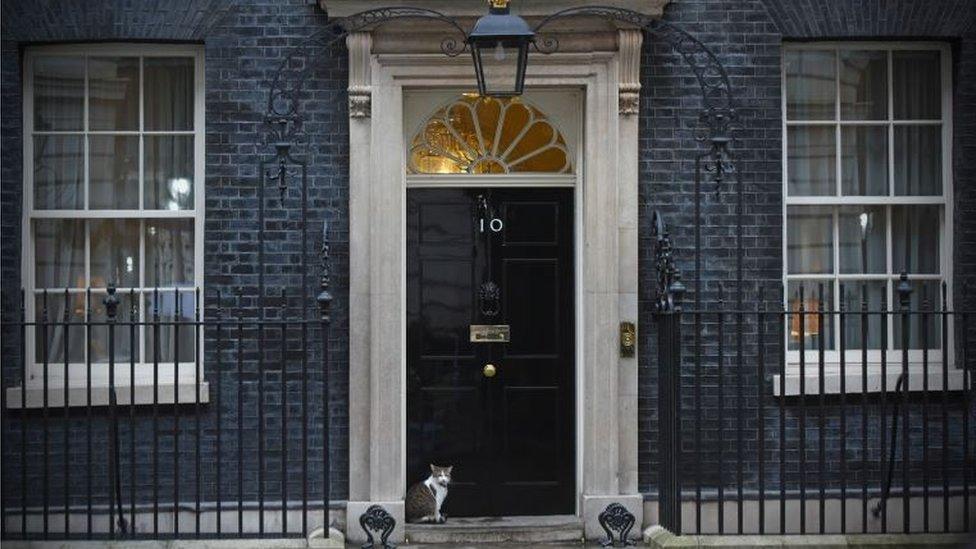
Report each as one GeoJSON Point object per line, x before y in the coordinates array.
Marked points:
{"type": "Point", "coordinates": [245, 39]}
{"type": "Point", "coordinates": [244, 42]}
{"type": "Point", "coordinates": [748, 44]}
{"type": "Point", "coordinates": [747, 35]}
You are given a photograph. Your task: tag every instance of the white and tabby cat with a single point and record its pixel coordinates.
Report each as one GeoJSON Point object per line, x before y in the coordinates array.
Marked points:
{"type": "Point", "coordinates": [424, 499]}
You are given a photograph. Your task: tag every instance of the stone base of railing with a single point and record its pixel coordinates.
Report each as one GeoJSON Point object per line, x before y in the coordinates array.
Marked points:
{"type": "Point", "coordinates": [659, 538]}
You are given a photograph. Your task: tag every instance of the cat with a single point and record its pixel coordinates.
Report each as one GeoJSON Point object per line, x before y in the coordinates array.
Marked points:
{"type": "Point", "coordinates": [424, 499]}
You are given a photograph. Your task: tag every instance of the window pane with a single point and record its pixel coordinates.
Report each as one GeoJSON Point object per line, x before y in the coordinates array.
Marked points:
{"type": "Point", "coordinates": [169, 172]}
{"type": "Point", "coordinates": [50, 335]}
{"type": "Point", "coordinates": [59, 250]}
{"type": "Point", "coordinates": [853, 296]}
{"type": "Point", "coordinates": [168, 93]}
{"type": "Point", "coordinates": [915, 231]}
{"type": "Point", "coordinates": [864, 160]}
{"type": "Point", "coordinates": [918, 160]}
{"type": "Point", "coordinates": [59, 93]}
{"type": "Point", "coordinates": [115, 253]}
{"type": "Point", "coordinates": [811, 161]}
{"type": "Point", "coordinates": [170, 309]}
{"type": "Point", "coordinates": [114, 172]}
{"type": "Point", "coordinates": [924, 330]}
{"type": "Point", "coordinates": [169, 252]}
{"type": "Point", "coordinates": [863, 247]}
{"type": "Point", "coordinates": [125, 339]}
{"type": "Point", "coordinates": [810, 240]}
{"type": "Point", "coordinates": [809, 324]}
{"type": "Point", "coordinates": [113, 93]}
{"type": "Point", "coordinates": [863, 85]}
{"type": "Point", "coordinates": [58, 172]}
{"type": "Point", "coordinates": [917, 84]}
{"type": "Point", "coordinates": [810, 85]}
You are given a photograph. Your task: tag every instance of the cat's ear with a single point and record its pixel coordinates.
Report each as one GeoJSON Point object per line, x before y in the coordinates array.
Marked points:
{"type": "Point", "coordinates": [433, 468]}
{"type": "Point", "coordinates": [449, 468]}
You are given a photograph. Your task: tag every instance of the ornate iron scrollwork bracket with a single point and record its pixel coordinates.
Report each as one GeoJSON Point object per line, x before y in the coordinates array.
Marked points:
{"type": "Point", "coordinates": [718, 113]}
{"type": "Point", "coordinates": [717, 125]}
{"type": "Point", "coordinates": [325, 296]}
{"type": "Point", "coordinates": [669, 289]}
{"type": "Point", "coordinates": [288, 84]}
{"type": "Point", "coordinates": [377, 519]}
{"type": "Point", "coordinates": [283, 132]}
{"type": "Point", "coordinates": [616, 519]}
{"type": "Point", "coordinates": [283, 115]}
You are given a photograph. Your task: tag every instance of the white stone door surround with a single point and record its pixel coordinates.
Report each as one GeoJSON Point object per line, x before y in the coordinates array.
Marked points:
{"type": "Point", "coordinates": [603, 64]}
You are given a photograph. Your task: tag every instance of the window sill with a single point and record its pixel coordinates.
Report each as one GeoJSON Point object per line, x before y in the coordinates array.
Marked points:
{"type": "Point", "coordinates": [142, 394]}
{"type": "Point", "coordinates": [855, 381]}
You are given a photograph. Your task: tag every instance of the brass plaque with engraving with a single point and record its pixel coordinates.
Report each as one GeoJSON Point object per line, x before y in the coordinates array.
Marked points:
{"type": "Point", "coordinates": [490, 333]}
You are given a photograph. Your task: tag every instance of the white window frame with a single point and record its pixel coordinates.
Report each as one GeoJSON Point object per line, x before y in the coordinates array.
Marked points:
{"type": "Point", "coordinates": [139, 389]}
{"type": "Point", "coordinates": [853, 371]}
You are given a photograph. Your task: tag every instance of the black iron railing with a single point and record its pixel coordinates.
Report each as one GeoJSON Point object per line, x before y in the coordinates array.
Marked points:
{"type": "Point", "coordinates": [174, 423]}
{"type": "Point", "coordinates": [814, 418]}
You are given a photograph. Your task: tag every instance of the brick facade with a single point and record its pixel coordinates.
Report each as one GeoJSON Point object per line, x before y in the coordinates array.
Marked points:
{"type": "Point", "coordinates": [245, 39]}
{"type": "Point", "coordinates": [244, 43]}
{"type": "Point", "coordinates": [747, 37]}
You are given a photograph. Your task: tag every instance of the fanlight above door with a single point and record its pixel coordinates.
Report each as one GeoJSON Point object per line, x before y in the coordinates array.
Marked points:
{"type": "Point", "coordinates": [477, 135]}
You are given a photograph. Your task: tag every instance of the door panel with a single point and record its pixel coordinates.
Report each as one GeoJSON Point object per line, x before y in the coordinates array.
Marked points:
{"type": "Point", "coordinates": [535, 329]}
{"type": "Point", "coordinates": [527, 443]}
{"type": "Point", "coordinates": [510, 437]}
{"type": "Point", "coordinates": [446, 292]}
{"type": "Point", "coordinates": [531, 223]}
{"type": "Point", "coordinates": [440, 223]}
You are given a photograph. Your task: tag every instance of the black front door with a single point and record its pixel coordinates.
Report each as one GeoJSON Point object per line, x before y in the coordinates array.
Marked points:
{"type": "Point", "coordinates": [497, 258]}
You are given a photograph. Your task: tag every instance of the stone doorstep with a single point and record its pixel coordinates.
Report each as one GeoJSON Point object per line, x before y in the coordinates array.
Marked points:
{"type": "Point", "coordinates": [565, 529]}
{"type": "Point", "coordinates": [660, 538]}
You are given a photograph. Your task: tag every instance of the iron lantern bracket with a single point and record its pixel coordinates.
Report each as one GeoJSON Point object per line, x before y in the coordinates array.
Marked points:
{"type": "Point", "coordinates": [285, 120]}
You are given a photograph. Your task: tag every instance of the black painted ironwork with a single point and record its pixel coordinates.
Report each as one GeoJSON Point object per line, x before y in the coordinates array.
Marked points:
{"type": "Point", "coordinates": [106, 477]}
{"type": "Point", "coordinates": [497, 31]}
{"type": "Point", "coordinates": [377, 520]}
{"type": "Point", "coordinates": [718, 113]}
{"type": "Point", "coordinates": [324, 300]}
{"type": "Point", "coordinates": [111, 303]}
{"type": "Point", "coordinates": [284, 119]}
{"type": "Point", "coordinates": [912, 465]}
{"type": "Point", "coordinates": [904, 289]}
{"type": "Point", "coordinates": [288, 84]}
{"type": "Point", "coordinates": [668, 295]}
{"type": "Point", "coordinates": [716, 162]}
{"type": "Point", "coordinates": [617, 522]}
{"type": "Point", "coordinates": [177, 426]}
{"type": "Point", "coordinates": [669, 289]}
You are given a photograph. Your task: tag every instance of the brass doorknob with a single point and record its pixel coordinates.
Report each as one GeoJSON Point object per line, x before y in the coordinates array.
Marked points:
{"type": "Point", "coordinates": [489, 370]}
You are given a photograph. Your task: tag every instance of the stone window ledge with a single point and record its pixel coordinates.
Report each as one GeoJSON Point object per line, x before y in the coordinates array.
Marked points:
{"type": "Point", "coordinates": [141, 393]}
{"type": "Point", "coordinates": [854, 380]}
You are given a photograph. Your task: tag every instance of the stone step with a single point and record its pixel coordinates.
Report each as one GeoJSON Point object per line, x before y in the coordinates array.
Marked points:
{"type": "Point", "coordinates": [558, 529]}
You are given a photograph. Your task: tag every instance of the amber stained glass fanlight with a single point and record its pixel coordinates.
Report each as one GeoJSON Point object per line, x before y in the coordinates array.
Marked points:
{"type": "Point", "coordinates": [487, 135]}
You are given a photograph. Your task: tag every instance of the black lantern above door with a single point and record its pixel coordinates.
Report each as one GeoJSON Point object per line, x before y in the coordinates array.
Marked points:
{"type": "Point", "coordinates": [499, 45]}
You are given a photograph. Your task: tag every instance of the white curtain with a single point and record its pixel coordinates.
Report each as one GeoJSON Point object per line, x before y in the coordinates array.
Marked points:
{"type": "Point", "coordinates": [168, 93]}
{"type": "Point", "coordinates": [60, 264]}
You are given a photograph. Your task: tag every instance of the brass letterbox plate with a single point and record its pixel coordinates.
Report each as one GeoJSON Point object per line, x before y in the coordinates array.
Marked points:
{"type": "Point", "coordinates": [490, 333]}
